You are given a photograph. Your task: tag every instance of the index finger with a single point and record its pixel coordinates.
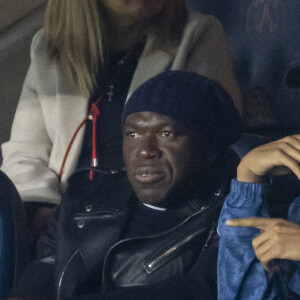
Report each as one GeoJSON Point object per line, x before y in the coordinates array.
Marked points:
{"type": "Point", "coordinates": [296, 136]}
{"type": "Point", "coordinates": [260, 223]}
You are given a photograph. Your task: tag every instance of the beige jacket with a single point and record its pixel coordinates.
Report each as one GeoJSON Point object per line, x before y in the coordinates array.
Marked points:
{"type": "Point", "coordinates": [49, 110]}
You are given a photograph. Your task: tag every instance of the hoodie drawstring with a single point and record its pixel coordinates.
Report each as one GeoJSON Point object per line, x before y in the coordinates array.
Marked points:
{"type": "Point", "coordinates": [93, 115]}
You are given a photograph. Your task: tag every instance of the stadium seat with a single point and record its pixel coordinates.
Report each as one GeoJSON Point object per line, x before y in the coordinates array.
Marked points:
{"type": "Point", "coordinates": [248, 142]}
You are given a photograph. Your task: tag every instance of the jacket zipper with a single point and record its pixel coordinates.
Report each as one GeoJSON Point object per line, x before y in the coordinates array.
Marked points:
{"type": "Point", "coordinates": [63, 273]}
{"type": "Point", "coordinates": [149, 237]}
{"type": "Point", "coordinates": [157, 260]}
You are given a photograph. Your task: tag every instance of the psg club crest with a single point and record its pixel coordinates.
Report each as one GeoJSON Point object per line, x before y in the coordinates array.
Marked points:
{"type": "Point", "coordinates": [265, 19]}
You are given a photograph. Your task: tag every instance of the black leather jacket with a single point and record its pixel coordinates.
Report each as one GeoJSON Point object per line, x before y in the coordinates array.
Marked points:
{"type": "Point", "coordinates": [93, 218]}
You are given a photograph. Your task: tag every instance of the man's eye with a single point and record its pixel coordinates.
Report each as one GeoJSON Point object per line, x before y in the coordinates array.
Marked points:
{"type": "Point", "coordinates": [132, 134]}
{"type": "Point", "coordinates": [167, 133]}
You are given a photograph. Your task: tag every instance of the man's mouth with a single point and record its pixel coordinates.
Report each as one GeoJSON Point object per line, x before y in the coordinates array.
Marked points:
{"type": "Point", "coordinates": [148, 176]}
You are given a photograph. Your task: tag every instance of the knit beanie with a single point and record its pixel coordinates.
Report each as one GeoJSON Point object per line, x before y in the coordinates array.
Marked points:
{"type": "Point", "coordinates": [201, 104]}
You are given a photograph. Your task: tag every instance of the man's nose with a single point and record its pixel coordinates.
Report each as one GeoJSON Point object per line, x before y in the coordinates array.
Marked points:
{"type": "Point", "coordinates": [148, 148]}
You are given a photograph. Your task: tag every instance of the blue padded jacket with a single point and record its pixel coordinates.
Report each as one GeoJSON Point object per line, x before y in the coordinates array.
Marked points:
{"type": "Point", "coordinates": [240, 274]}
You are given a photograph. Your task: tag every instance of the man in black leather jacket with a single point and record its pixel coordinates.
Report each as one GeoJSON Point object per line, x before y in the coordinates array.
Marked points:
{"type": "Point", "coordinates": [103, 243]}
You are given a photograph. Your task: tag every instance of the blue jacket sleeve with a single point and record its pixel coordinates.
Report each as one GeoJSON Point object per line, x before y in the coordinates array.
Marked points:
{"type": "Point", "coordinates": [240, 275]}
{"type": "Point", "coordinates": [294, 216]}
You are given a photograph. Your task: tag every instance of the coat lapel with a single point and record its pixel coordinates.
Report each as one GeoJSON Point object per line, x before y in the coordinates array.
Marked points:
{"type": "Point", "coordinates": [152, 62]}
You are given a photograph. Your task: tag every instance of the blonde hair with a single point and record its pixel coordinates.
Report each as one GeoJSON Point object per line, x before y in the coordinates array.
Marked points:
{"type": "Point", "coordinates": [75, 35]}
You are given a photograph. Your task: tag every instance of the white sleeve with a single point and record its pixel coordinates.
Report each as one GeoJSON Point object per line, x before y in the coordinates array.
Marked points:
{"type": "Point", "coordinates": [26, 155]}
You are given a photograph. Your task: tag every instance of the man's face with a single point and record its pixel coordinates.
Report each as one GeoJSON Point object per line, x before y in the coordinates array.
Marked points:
{"type": "Point", "coordinates": [158, 155]}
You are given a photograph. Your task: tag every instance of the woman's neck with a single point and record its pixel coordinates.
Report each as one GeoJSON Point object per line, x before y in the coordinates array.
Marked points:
{"type": "Point", "coordinates": [124, 34]}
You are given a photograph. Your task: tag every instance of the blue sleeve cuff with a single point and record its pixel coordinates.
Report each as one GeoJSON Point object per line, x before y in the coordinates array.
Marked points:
{"type": "Point", "coordinates": [246, 194]}
{"type": "Point", "coordinates": [244, 200]}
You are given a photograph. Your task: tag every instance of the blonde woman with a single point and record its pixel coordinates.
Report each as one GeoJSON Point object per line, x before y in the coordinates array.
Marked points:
{"type": "Point", "coordinates": [90, 56]}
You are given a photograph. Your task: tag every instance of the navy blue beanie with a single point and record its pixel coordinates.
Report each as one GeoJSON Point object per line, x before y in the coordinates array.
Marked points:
{"type": "Point", "coordinates": [194, 100]}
